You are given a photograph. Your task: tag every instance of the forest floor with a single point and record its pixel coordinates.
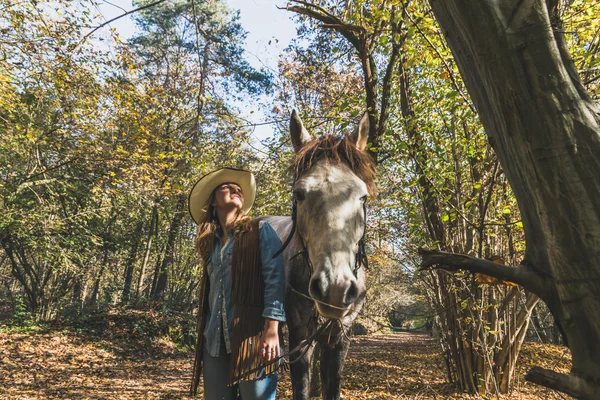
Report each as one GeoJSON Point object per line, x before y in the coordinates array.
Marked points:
{"type": "Point", "coordinates": [66, 365]}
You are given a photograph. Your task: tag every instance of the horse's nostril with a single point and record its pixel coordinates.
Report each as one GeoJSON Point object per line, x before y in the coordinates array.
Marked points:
{"type": "Point", "coordinates": [316, 289]}
{"type": "Point", "coordinates": [351, 294]}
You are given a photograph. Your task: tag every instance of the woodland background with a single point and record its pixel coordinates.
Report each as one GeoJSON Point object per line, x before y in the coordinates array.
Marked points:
{"type": "Point", "coordinates": [100, 143]}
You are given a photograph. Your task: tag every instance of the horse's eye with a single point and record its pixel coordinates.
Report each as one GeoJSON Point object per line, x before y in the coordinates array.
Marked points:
{"type": "Point", "coordinates": [363, 199]}
{"type": "Point", "coordinates": [299, 194]}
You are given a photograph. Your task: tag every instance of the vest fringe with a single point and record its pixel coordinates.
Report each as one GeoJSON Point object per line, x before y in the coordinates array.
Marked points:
{"type": "Point", "coordinates": [247, 292]}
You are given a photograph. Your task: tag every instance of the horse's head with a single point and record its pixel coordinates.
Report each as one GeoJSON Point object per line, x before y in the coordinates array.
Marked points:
{"type": "Point", "coordinates": [333, 177]}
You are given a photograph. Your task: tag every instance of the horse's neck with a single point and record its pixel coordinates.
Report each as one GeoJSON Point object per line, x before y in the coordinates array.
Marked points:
{"type": "Point", "coordinates": [281, 225]}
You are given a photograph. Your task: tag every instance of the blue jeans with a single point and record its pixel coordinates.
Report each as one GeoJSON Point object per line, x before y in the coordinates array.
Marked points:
{"type": "Point", "coordinates": [216, 371]}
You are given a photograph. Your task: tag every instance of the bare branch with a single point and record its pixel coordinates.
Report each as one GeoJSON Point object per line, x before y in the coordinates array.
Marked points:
{"type": "Point", "coordinates": [90, 33]}
{"type": "Point", "coordinates": [114, 5]}
{"type": "Point", "coordinates": [48, 169]}
{"type": "Point", "coordinates": [386, 85]}
{"type": "Point", "coordinates": [521, 275]}
{"type": "Point", "coordinates": [332, 22]}
{"type": "Point", "coordinates": [591, 80]}
{"type": "Point", "coordinates": [318, 8]}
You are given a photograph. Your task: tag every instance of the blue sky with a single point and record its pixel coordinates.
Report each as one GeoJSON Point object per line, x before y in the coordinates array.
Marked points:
{"type": "Point", "coordinates": [269, 32]}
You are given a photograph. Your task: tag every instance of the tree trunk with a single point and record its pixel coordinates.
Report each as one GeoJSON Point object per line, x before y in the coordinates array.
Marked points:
{"type": "Point", "coordinates": [158, 291]}
{"type": "Point", "coordinates": [546, 132]}
{"type": "Point", "coordinates": [77, 296]}
{"type": "Point", "coordinates": [430, 207]}
{"type": "Point", "coordinates": [151, 232]}
{"type": "Point", "coordinates": [538, 325]}
{"type": "Point", "coordinates": [96, 288]}
{"type": "Point", "coordinates": [30, 286]}
{"type": "Point", "coordinates": [506, 359]}
{"type": "Point", "coordinates": [131, 262]}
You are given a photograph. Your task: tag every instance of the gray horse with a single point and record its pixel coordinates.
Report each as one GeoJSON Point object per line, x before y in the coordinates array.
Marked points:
{"type": "Point", "coordinates": [333, 177]}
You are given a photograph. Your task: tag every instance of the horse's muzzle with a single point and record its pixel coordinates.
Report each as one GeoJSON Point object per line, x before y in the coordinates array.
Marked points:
{"type": "Point", "coordinates": [333, 301]}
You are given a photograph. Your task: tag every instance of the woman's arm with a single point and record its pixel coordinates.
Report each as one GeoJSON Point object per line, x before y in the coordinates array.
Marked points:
{"type": "Point", "coordinates": [274, 280]}
{"type": "Point", "coordinates": [273, 274]}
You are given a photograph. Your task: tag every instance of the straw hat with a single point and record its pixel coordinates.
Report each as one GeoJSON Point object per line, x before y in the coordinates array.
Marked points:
{"type": "Point", "coordinates": [202, 190]}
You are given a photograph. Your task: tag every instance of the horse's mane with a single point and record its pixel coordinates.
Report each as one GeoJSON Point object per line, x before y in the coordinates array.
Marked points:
{"type": "Point", "coordinates": [338, 149]}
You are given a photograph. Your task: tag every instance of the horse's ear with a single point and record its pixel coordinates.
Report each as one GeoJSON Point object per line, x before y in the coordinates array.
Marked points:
{"type": "Point", "coordinates": [360, 136]}
{"type": "Point", "coordinates": [297, 131]}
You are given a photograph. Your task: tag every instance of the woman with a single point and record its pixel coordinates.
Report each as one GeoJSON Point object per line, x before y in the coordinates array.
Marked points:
{"type": "Point", "coordinates": [242, 290]}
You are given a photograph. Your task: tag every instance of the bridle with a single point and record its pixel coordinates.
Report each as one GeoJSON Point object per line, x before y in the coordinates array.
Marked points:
{"type": "Point", "coordinates": [360, 258]}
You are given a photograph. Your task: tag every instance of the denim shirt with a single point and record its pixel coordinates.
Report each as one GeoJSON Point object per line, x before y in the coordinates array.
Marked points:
{"type": "Point", "coordinates": [220, 308]}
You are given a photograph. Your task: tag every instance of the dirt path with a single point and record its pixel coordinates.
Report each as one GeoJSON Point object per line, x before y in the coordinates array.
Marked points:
{"type": "Point", "coordinates": [63, 366]}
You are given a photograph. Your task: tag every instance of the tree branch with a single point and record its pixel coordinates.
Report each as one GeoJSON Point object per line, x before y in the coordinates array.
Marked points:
{"type": "Point", "coordinates": [46, 170]}
{"type": "Point", "coordinates": [386, 85]}
{"type": "Point", "coordinates": [116, 18]}
{"type": "Point", "coordinates": [357, 36]}
{"type": "Point", "coordinates": [332, 22]}
{"type": "Point", "coordinates": [521, 322]}
{"type": "Point", "coordinates": [521, 275]}
{"type": "Point", "coordinates": [572, 385]}
{"type": "Point", "coordinates": [318, 8]}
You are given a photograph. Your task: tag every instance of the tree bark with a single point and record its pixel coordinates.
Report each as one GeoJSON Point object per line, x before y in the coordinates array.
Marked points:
{"type": "Point", "coordinates": [546, 132]}
{"type": "Point", "coordinates": [151, 232]}
{"type": "Point", "coordinates": [158, 291]}
{"type": "Point", "coordinates": [522, 274]}
{"type": "Point", "coordinates": [10, 247]}
{"type": "Point", "coordinates": [96, 288]}
{"type": "Point", "coordinates": [131, 262]}
{"type": "Point", "coordinates": [430, 205]}
{"type": "Point", "coordinates": [506, 359]}
{"type": "Point", "coordinates": [569, 384]}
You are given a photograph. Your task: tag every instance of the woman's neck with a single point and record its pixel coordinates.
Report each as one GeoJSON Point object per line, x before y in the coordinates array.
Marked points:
{"type": "Point", "coordinates": [227, 218]}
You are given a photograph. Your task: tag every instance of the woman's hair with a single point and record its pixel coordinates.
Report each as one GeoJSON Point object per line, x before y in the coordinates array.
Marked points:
{"type": "Point", "coordinates": [207, 226]}
{"type": "Point", "coordinates": [209, 223]}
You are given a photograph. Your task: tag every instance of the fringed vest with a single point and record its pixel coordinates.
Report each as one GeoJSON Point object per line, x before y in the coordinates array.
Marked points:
{"type": "Point", "coordinates": [247, 296]}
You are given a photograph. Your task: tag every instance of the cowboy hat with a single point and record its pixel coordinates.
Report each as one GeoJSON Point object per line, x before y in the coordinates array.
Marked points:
{"type": "Point", "coordinates": [200, 193]}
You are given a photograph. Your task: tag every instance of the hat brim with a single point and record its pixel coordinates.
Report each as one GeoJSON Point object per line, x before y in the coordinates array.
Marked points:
{"type": "Point", "coordinates": [200, 193]}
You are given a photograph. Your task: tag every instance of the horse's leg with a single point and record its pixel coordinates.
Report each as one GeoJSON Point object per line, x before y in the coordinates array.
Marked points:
{"type": "Point", "coordinates": [334, 347]}
{"type": "Point", "coordinates": [300, 375]}
{"type": "Point", "coordinates": [332, 365]}
{"type": "Point", "coordinates": [299, 330]}
{"type": "Point", "coordinates": [315, 375]}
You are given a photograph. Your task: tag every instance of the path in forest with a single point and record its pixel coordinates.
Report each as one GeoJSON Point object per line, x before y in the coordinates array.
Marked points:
{"type": "Point", "coordinates": [62, 365]}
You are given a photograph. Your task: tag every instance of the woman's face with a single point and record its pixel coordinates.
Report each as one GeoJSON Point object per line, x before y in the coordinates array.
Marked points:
{"type": "Point", "coordinates": [228, 196]}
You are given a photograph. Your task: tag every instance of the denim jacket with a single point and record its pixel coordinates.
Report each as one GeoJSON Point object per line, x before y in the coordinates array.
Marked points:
{"type": "Point", "coordinates": [221, 311]}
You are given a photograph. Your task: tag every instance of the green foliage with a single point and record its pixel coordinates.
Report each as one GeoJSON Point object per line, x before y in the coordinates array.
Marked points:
{"type": "Point", "coordinates": [22, 318]}
{"type": "Point", "coordinates": [101, 144]}
{"type": "Point", "coordinates": [581, 25]}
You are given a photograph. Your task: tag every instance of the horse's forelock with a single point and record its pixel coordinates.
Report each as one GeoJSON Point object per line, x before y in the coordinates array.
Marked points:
{"type": "Point", "coordinates": [338, 149]}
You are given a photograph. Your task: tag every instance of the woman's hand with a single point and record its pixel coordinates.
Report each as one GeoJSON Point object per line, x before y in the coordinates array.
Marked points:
{"type": "Point", "coordinates": [269, 343]}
